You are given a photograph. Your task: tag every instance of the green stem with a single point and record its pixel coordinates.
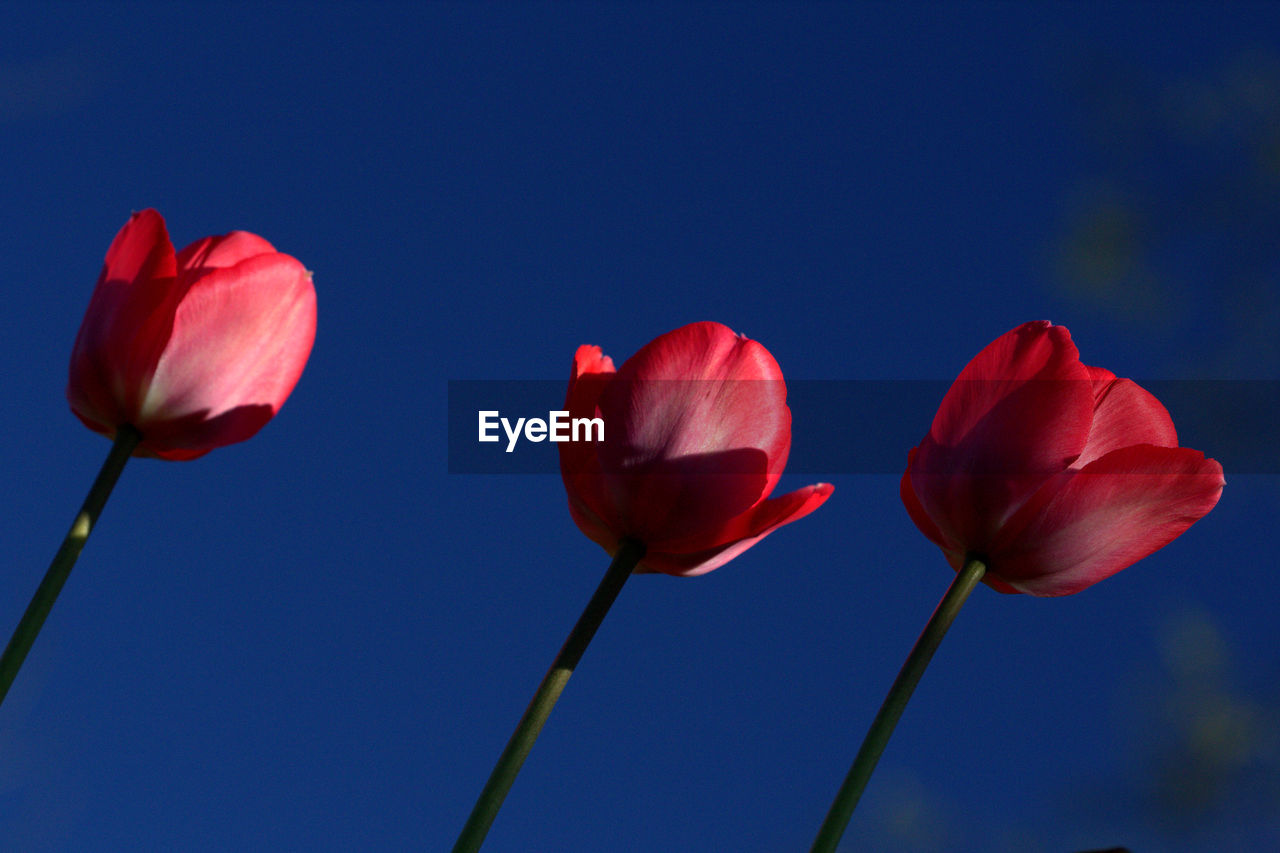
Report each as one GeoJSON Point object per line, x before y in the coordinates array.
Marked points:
{"type": "Point", "coordinates": [629, 554]}
{"type": "Point", "coordinates": [894, 704]}
{"type": "Point", "coordinates": [24, 635]}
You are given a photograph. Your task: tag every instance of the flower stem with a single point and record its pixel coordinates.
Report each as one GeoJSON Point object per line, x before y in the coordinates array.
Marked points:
{"type": "Point", "coordinates": [24, 635]}
{"type": "Point", "coordinates": [629, 554]}
{"type": "Point", "coordinates": [882, 727]}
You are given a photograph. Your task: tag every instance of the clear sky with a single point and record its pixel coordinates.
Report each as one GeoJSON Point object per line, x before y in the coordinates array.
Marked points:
{"type": "Point", "coordinates": [320, 639]}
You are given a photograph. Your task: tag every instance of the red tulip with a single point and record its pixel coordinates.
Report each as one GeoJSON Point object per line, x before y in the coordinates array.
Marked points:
{"type": "Point", "coordinates": [1057, 475]}
{"type": "Point", "coordinates": [195, 350]}
{"type": "Point", "coordinates": [697, 432]}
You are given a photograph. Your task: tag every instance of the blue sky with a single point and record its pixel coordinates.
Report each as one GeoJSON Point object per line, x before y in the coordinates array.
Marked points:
{"type": "Point", "coordinates": [320, 639]}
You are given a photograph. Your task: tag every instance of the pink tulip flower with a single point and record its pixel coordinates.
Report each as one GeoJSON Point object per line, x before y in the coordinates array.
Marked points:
{"type": "Point", "coordinates": [1055, 474]}
{"type": "Point", "coordinates": [195, 350]}
{"type": "Point", "coordinates": [697, 433]}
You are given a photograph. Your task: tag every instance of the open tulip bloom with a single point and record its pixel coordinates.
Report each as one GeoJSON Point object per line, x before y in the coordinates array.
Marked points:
{"type": "Point", "coordinates": [178, 353]}
{"type": "Point", "coordinates": [1042, 476]}
{"type": "Point", "coordinates": [696, 436]}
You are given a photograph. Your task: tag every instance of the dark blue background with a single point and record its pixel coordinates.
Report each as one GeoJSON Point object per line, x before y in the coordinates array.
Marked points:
{"type": "Point", "coordinates": [321, 639]}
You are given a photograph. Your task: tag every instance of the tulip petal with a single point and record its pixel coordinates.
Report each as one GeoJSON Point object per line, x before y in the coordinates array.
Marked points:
{"type": "Point", "coordinates": [953, 551]}
{"type": "Point", "coordinates": [1018, 414]}
{"type": "Point", "coordinates": [762, 520]}
{"type": "Point", "coordinates": [592, 525]}
{"type": "Point", "coordinates": [703, 373]}
{"type": "Point", "coordinates": [917, 512]}
{"type": "Point", "coordinates": [241, 337]}
{"type": "Point", "coordinates": [579, 463]}
{"type": "Point", "coordinates": [224, 250]}
{"type": "Point", "coordinates": [697, 430]}
{"type": "Point", "coordinates": [1100, 378]}
{"type": "Point", "coordinates": [126, 325]}
{"type": "Point", "coordinates": [1124, 414]}
{"type": "Point", "coordinates": [591, 373]}
{"type": "Point", "coordinates": [1088, 524]}
{"type": "Point", "coordinates": [669, 503]}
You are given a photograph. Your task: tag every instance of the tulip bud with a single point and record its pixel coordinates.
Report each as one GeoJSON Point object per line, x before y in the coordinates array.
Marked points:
{"type": "Point", "coordinates": [195, 350]}
{"type": "Point", "coordinates": [697, 433]}
{"type": "Point", "coordinates": [1055, 474]}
